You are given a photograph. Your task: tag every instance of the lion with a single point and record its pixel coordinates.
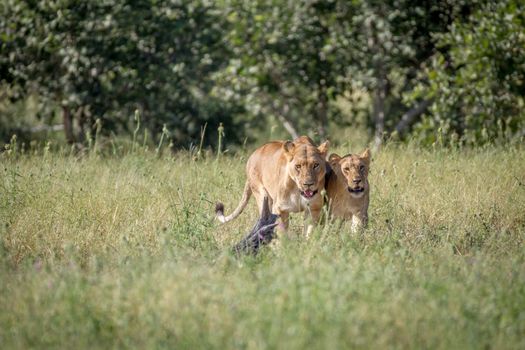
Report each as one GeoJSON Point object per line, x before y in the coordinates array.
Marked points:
{"type": "Point", "coordinates": [291, 174]}
{"type": "Point", "coordinates": [348, 189]}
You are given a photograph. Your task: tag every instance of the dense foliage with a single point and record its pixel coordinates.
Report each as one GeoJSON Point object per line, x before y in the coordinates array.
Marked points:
{"type": "Point", "coordinates": [449, 70]}
{"type": "Point", "coordinates": [478, 84]}
{"type": "Point", "coordinates": [104, 59]}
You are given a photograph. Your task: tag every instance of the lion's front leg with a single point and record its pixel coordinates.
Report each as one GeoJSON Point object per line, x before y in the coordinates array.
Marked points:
{"type": "Point", "coordinates": [359, 221]}
{"type": "Point", "coordinates": [285, 221]}
{"type": "Point", "coordinates": [315, 214]}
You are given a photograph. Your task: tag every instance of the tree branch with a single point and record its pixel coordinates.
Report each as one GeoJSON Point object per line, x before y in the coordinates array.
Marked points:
{"type": "Point", "coordinates": [281, 112]}
{"type": "Point", "coordinates": [287, 123]}
{"type": "Point", "coordinates": [408, 118]}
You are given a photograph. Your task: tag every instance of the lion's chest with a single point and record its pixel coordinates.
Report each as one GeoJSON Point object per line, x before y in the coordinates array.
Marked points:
{"type": "Point", "coordinates": [293, 203]}
{"type": "Point", "coordinates": [345, 206]}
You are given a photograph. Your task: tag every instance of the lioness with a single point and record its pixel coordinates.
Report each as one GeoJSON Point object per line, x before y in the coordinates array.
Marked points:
{"type": "Point", "coordinates": [347, 189]}
{"type": "Point", "coordinates": [290, 174]}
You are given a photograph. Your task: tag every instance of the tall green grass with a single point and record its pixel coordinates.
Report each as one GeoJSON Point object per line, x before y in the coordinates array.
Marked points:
{"type": "Point", "coordinates": [105, 252]}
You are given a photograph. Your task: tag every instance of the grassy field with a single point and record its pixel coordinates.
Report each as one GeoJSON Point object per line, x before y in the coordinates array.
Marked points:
{"type": "Point", "coordinates": [107, 252]}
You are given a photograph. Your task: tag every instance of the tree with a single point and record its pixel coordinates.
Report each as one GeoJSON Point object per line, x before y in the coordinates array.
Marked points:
{"type": "Point", "coordinates": [452, 66]}
{"type": "Point", "coordinates": [478, 83]}
{"type": "Point", "coordinates": [293, 58]}
{"type": "Point", "coordinates": [103, 59]}
{"type": "Point", "coordinates": [390, 44]}
{"type": "Point", "coordinates": [285, 61]}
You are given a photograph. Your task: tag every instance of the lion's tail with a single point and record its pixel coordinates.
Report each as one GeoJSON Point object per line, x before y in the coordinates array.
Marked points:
{"type": "Point", "coordinates": [219, 207]}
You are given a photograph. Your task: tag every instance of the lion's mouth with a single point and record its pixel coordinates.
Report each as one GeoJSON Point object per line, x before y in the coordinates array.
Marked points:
{"type": "Point", "coordinates": [356, 190]}
{"type": "Point", "coordinates": [308, 193]}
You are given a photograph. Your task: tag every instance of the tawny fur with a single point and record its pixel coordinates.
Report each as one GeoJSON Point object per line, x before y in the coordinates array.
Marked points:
{"type": "Point", "coordinates": [350, 175]}
{"type": "Point", "coordinates": [284, 171]}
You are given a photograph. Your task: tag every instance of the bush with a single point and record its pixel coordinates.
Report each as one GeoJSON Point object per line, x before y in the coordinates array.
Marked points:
{"type": "Point", "coordinates": [478, 85]}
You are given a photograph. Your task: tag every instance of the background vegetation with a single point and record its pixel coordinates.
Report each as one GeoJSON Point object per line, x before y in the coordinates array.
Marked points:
{"type": "Point", "coordinates": [446, 72]}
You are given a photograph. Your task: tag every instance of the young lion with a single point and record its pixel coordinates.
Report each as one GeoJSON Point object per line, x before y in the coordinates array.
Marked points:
{"type": "Point", "coordinates": [348, 190]}
{"type": "Point", "coordinates": [290, 174]}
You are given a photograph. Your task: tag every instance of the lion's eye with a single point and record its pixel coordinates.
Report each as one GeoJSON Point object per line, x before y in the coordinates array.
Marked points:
{"type": "Point", "coordinates": [361, 168]}
{"type": "Point", "coordinates": [316, 165]}
{"type": "Point", "coordinates": [298, 166]}
{"type": "Point", "coordinates": [346, 169]}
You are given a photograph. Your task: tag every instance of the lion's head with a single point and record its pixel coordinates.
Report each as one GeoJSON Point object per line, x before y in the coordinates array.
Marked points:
{"type": "Point", "coordinates": [354, 168]}
{"type": "Point", "coordinates": [306, 165]}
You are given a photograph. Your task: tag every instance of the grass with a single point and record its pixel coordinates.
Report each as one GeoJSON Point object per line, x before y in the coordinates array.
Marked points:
{"type": "Point", "coordinates": [106, 252]}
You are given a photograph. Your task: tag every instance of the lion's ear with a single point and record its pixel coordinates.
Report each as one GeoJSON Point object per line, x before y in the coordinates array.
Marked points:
{"type": "Point", "coordinates": [334, 159]}
{"type": "Point", "coordinates": [323, 148]}
{"type": "Point", "coordinates": [365, 156]}
{"type": "Point", "coordinates": [288, 148]}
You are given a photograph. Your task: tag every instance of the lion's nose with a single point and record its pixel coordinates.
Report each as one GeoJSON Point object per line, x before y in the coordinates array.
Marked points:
{"type": "Point", "coordinates": [356, 181]}
{"type": "Point", "coordinates": [308, 184]}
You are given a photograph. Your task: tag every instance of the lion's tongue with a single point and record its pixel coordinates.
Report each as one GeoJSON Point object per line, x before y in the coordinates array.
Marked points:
{"type": "Point", "coordinates": [308, 193]}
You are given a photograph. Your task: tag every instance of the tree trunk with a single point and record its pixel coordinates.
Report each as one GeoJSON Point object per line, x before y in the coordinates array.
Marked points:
{"type": "Point", "coordinates": [380, 92]}
{"type": "Point", "coordinates": [81, 125]}
{"type": "Point", "coordinates": [322, 114]}
{"type": "Point", "coordinates": [378, 112]}
{"type": "Point", "coordinates": [68, 125]}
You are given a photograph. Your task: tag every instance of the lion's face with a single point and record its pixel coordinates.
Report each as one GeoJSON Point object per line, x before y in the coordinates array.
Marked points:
{"type": "Point", "coordinates": [306, 166]}
{"type": "Point", "coordinates": [354, 168]}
